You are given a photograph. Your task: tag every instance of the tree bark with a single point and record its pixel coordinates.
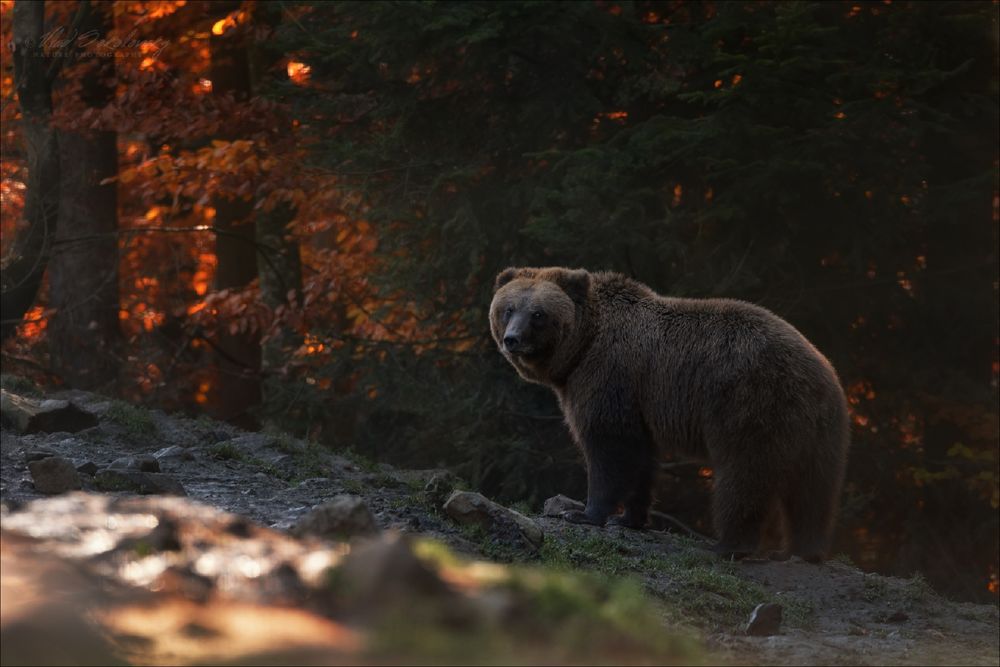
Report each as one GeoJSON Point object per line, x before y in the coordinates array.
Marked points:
{"type": "Point", "coordinates": [84, 332]}
{"type": "Point", "coordinates": [280, 268]}
{"type": "Point", "coordinates": [24, 267]}
{"type": "Point", "coordinates": [237, 392]}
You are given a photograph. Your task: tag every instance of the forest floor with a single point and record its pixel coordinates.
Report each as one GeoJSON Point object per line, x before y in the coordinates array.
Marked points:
{"type": "Point", "coordinates": [246, 574]}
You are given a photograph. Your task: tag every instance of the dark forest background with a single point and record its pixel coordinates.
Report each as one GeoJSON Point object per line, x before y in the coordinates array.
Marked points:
{"type": "Point", "coordinates": [289, 215]}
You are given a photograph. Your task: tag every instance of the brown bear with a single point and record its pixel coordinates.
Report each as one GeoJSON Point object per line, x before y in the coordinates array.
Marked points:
{"type": "Point", "coordinates": [727, 381]}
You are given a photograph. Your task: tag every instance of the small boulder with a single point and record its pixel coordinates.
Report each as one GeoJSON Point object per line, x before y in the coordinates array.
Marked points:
{"type": "Point", "coordinates": [341, 518]}
{"type": "Point", "coordinates": [765, 620]}
{"type": "Point", "coordinates": [173, 454]}
{"type": "Point", "coordinates": [556, 505]}
{"type": "Point", "coordinates": [38, 454]}
{"type": "Point", "coordinates": [27, 415]}
{"type": "Point", "coordinates": [88, 468]}
{"type": "Point", "coordinates": [144, 483]}
{"type": "Point", "coordinates": [470, 508]}
{"type": "Point", "coordinates": [54, 475]}
{"type": "Point", "coordinates": [140, 463]}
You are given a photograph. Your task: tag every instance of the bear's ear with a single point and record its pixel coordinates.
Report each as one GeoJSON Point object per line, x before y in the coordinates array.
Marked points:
{"type": "Point", "coordinates": [509, 274]}
{"type": "Point", "coordinates": [575, 282]}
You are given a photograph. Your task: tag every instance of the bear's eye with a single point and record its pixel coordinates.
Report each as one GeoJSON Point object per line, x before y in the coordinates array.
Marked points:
{"type": "Point", "coordinates": [537, 315]}
{"type": "Point", "coordinates": [508, 311]}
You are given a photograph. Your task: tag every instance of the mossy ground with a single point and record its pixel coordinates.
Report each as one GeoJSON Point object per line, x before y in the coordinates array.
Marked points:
{"type": "Point", "coordinates": [696, 586]}
{"type": "Point", "coordinates": [532, 614]}
{"type": "Point", "coordinates": [137, 421]}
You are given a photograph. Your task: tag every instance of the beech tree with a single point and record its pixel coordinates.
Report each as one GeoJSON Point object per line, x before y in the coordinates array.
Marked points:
{"type": "Point", "coordinates": [24, 266]}
{"type": "Point", "coordinates": [84, 334]}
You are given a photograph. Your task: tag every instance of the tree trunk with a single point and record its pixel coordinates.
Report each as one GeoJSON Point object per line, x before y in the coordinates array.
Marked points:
{"type": "Point", "coordinates": [279, 262]}
{"type": "Point", "coordinates": [24, 267]}
{"type": "Point", "coordinates": [84, 332]}
{"type": "Point", "coordinates": [280, 269]}
{"type": "Point", "coordinates": [237, 392]}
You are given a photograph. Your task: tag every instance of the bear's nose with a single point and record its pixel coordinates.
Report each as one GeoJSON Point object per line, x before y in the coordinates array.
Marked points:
{"type": "Point", "coordinates": [511, 343]}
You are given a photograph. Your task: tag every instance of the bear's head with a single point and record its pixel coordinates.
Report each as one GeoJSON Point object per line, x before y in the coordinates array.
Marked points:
{"type": "Point", "coordinates": [536, 318]}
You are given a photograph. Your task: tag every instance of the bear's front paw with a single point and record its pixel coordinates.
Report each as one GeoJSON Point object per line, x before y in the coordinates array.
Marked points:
{"type": "Point", "coordinates": [576, 516]}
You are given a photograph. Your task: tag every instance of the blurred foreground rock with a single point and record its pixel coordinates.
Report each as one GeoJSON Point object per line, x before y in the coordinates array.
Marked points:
{"type": "Point", "coordinates": [166, 580]}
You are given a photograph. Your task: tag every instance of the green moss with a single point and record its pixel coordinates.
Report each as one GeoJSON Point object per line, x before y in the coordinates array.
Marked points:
{"type": "Point", "coordinates": [875, 588]}
{"type": "Point", "coordinates": [494, 547]}
{"type": "Point", "coordinates": [287, 444]}
{"type": "Point", "coordinates": [408, 501]}
{"type": "Point", "coordinates": [135, 420]}
{"type": "Point", "coordinates": [205, 422]}
{"type": "Point", "coordinates": [702, 589]}
{"type": "Point", "coordinates": [267, 468]}
{"type": "Point", "coordinates": [309, 461]}
{"type": "Point", "coordinates": [845, 559]}
{"type": "Point", "coordinates": [361, 461]}
{"type": "Point", "coordinates": [798, 613]}
{"type": "Point", "coordinates": [523, 507]}
{"type": "Point", "coordinates": [597, 552]}
{"type": "Point", "coordinates": [353, 486]}
{"type": "Point", "coordinates": [225, 451]}
{"type": "Point", "coordinates": [917, 589]}
{"type": "Point", "coordinates": [554, 616]}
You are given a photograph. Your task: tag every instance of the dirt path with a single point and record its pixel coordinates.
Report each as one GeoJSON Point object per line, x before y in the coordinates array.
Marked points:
{"type": "Point", "coordinates": [833, 613]}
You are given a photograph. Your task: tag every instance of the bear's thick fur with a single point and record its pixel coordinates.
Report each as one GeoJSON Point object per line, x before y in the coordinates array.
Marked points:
{"type": "Point", "coordinates": [724, 380]}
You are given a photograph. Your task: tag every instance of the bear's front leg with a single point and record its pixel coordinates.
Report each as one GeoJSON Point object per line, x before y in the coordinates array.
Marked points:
{"type": "Point", "coordinates": [602, 501]}
{"type": "Point", "coordinates": [612, 474]}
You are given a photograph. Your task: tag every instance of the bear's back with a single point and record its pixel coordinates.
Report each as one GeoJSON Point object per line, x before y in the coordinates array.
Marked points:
{"type": "Point", "coordinates": [686, 364]}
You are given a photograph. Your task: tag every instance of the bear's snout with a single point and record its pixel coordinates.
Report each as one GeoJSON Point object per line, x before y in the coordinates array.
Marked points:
{"type": "Point", "coordinates": [511, 343]}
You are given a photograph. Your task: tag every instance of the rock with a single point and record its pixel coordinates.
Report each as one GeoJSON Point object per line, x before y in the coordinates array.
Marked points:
{"type": "Point", "coordinates": [343, 517]}
{"type": "Point", "coordinates": [385, 573]}
{"type": "Point", "coordinates": [470, 508]}
{"type": "Point", "coordinates": [765, 620]}
{"type": "Point", "coordinates": [38, 455]}
{"type": "Point", "coordinates": [439, 487]}
{"type": "Point", "coordinates": [140, 463]}
{"type": "Point", "coordinates": [27, 415]}
{"type": "Point", "coordinates": [54, 475]}
{"type": "Point", "coordinates": [145, 483]}
{"type": "Point", "coordinates": [556, 505]}
{"type": "Point", "coordinates": [173, 456]}
{"type": "Point", "coordinates": [88, 468]}
{"type": "Point", "coordinates": [148, 464]}
{"type": "Point", "coordinates": [173, 452]}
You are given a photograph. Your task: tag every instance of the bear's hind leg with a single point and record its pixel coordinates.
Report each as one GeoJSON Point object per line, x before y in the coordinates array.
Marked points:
{"type": "Point", "coordinates": [810, 505]}
{"type": "Point", "coordinates": [741, 504]}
